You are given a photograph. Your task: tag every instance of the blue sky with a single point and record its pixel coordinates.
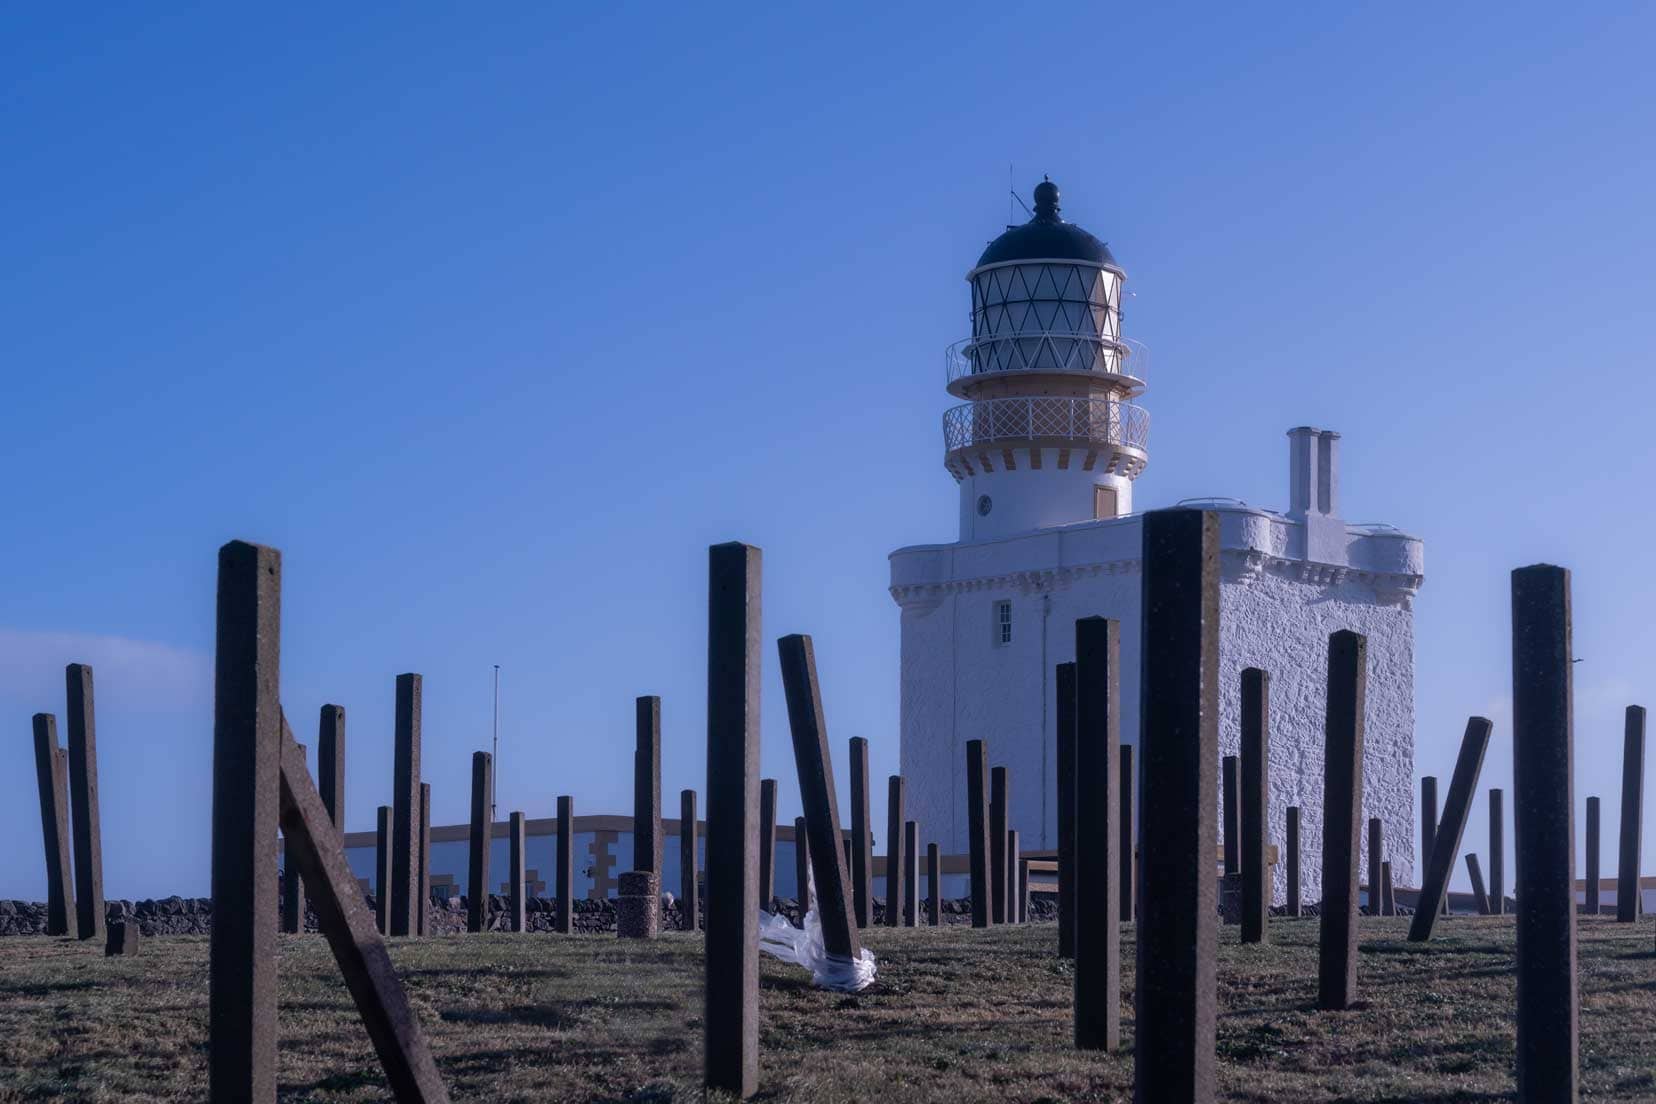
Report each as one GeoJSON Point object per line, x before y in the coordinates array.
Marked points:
{"type": "Point", "coordinates": [494, 323]}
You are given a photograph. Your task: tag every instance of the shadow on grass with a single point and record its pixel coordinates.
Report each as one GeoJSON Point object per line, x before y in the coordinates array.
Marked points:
{"type": "Point", "coordinates": [537, 1015]}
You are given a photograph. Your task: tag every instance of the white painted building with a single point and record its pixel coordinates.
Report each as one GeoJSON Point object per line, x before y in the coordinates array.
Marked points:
{"type": "Point", "coordinates": [1045, 451]}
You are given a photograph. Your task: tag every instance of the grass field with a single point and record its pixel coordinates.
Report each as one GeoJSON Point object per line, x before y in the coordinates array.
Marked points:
{"type": "Point", "coordinates": [955, 1015]}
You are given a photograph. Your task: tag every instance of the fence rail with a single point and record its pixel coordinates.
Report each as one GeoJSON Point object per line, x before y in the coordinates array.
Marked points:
{"type": "Point", "coordinates": [1096, 421]}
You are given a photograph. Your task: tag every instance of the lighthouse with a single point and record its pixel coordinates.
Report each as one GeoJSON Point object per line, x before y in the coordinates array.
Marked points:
{"type": "Point", "coordinates": [1045, 441]}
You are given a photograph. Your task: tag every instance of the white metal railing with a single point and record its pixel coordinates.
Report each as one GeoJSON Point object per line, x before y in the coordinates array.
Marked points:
{"type": "Point", "coordinates": [1095, 421]}
{"type": "Point", "coordinates": [1046, 352]}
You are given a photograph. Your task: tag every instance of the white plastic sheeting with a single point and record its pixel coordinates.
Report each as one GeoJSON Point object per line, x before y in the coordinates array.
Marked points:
{"type": "Point", "coordinates": [804, 947]}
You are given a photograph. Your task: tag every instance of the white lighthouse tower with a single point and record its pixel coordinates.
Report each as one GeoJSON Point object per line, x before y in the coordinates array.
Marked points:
{"type": "Point", "coordinates": [1045, 450]}
{"type": "Point", "coordinates": [1048, 435]}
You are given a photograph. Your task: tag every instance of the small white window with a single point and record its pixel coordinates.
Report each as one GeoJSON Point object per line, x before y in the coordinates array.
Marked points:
{"type": "Point", "coordinates": [1003, 624]}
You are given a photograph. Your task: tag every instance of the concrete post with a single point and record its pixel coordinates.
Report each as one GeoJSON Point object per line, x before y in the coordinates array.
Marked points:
{"type": "Point", "coordinates": [405, 809]}
{"type": "Point", "coordinates": [1175, 1004]}
{"type": "Point", "coordinates": [647, 785]}
{"type": "Point", "coordinates": [241, 1047]}
{"type": "Point", "coordinates": [862, 832]}
{"type": "Point", "coordinates": [382, 870]}
{"type": "Point", "coordinates": [1256, 795]}
{"type": "Point", "coordinates": [896, 876]}
{"type": "Point", "coordinates": [977, 828]}
{"type": "Point", "coordinates": [1592, 856]}
{"type": "Point", "coordinates": [1292, 858]}
{"type": "Point", "coordinates": [1012, 876]}
{"type": "Point", "coordinates": [1231, 781]}
{"type": "Point", "coordinates": [998, 783]}
{"type": "Point", "coordinates": [802, 868]}
{"type": "Point", "coordinates": [330, 763]}
{"type": "Point", "coordinates": [1479, 896]}
{"type": "Point", "coordinates": [934, 880]}
{"type": "Point", "coordinates": [423, 914]}
{"type": "Point", "coordinates": [1435, 889]}
{"type": "Point", "coordinates": [51, 779]}
{"type": "Point", "coordinates": [482, 829]}
{"type": "Point", "coordinates": [518, 898]}
{"type": "Point", "coordinates": [1342, 812]}
{"type": "Point", "coordinates": [1023, 891]}
{"type": "Point", "coordinates": [566, 862]}
{"type": "Point", "coordinates": [911, 874]}
{"type": "Point", "coordinates": [1388, 903]}
{"type": "Point", "coordinates": [731, 1015]}
{"type": "Point", "coordinates": [638, 905]}
{"type": "Point", "coordinates": [1632, 816]}
{"type": "Point", "coordinates": [1066, 809]}
{"type": "Point", "coordinates": [1376, 846]}
{"type": "Point", "coordinates": [1428, 827]}
{"type": "Point", "coordinates": [1126, 788]}
{"type": "Point", "coordinates": [83, 801]}
{"type": "Point", "coordinates": [689, 891]}
{"type": "Point", "coordinates": [767, 842]}
{"type": "Point", "coordinates": [293, 887]}
{"type": "Point", "coordinates": [1544, 830]}
{"type": "Point", "coordinates": [1497, 852]}
{"type": "Point", "coordinates": [1097, 834]}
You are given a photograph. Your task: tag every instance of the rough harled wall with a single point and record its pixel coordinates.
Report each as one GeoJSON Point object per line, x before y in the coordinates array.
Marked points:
{"type": "Point", "coordinates": [1277, 612]}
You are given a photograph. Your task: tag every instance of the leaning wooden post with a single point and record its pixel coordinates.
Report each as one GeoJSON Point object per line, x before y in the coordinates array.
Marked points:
{"type": "Point", "coordinates": [1066, 809]}
{"type": "Point", "coordinates": [1544, 830]}
{"type": "Point", "coordinates": [1376, 849]}
{"type": "Point", "coordinates": [1497, 852]}
{"type": "Point", "coordinates": [1126, 788]}
{"type": "Point", "coordinates": [802, 868]}
{"type": "Point", "coordinates": [1434, 891]}
{"type": "Point", "coordinates": [934, 882]}
{"type": "Point", "coordinates": [862, 835]}
{"type": "Point", "coordinates": [977, 828]}
{"type": "Point", "coordinates": [1632, 816]}
{"type": "Point", "coordinates": [817, 796]}
{"type": "Point", "coordinates": [1291, 844]}
{"type": "Point", "coordinates": [1342, 813]}
{"type": "Point", "coordinates": [518, 899]}
{"type": "Point", "coordinates": [482, 829]}
{"type": "Point", "coordinates": [1592, 856]}
{"type": "Point", "coordinates": [1231, 788]}
{"type": "Point", "coordinates": [566, 862]}
{"type": "Point", "coordinates": [1097, 834]}
{"type": "Point", "coordinates": [647, 785]}
{"type": "Point", "coordinates": [382, 869]}
{"type": "Point", "coordinates": [51, 778]}
{"type": "Point", "coordinates": [1480, 896]}
{"type": "Point", "coordinates": [896, 800]}
{"type": "Point", "coordinates": [911, 874]}
{"type": "Point", "coordinates": [767, 842]}
{"type": "Point", "coordinates": [83, 801]}
{"type": "Point", "coordinates": [1256, 796]}
{"type": "Point", "coordinates": [689, 891]}
{"type": "Point", "coordinates": [999, 781]}
{"type": "Point", "coordinates": [1179, 749]}
{"type": "Point", "coordinates": [731, 1013]}
{"type": "Point", "coordinates": [405, 809]}
{"type": "Point", "coordinates": [293, 888]}
{"type": "Point", "coordinates": [247, 734]}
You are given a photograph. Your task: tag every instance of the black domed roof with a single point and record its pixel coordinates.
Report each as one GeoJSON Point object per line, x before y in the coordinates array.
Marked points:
{"type": "Point", "coordinates": [1047, 237]}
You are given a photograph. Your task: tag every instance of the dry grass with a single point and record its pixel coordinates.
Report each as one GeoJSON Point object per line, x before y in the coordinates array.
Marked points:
{"type": "Point", "coordinates": [955, 1016]}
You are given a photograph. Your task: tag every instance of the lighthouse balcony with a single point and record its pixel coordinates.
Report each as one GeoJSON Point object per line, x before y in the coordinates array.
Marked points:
{"type": "Point", "coordinates": [1102, 434]}
{"type": "Point", "coordinates": [976, 364]}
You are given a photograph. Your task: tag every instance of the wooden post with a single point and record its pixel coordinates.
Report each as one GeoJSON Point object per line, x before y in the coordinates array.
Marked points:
{"type": "Point", "coordinates": [862, 836]}
{"type": "Point", "coordinates": [382, 869]}
{"type": "Point", "coordinates": [330, 763]}
{"type": "Point", "coordinates": [1632, 816]}
{"type": "Point", "coordinates": [1126, 787]}
{"type": "Point", "coordinates": [1292, 859]}
{"type": "Point", "coordinates": [518, 916]}
{"type": "Point", "coordinates": [405, 811]}
{"type": "Point", "coordinates": [482, 831]}
{"type": "Point", "coordinates": [1342, 812]}
{"type": "Point", "coordinates": [241, 1048]}
{"type": "Point", "coordinates": [1544, 830]}
{"type": "Point", "coordinates": [689, 892]}
{"type": "Point", "coordinates": [1592, 856]}
{"type": "Point", "coordinates": [51, 779]}
{"type": "Point", "coordinates": [977, 828]}
{"type": "Point", "coordinates": [293, 888]}
{"type": "Point", "coordinates": [1066, 809]}
{"type": "Point", "coordinates": [934, 879]}
{"type": "Point", "coordinates": [1479, 896]}
{"type": "Point", "coordinates": [1256, 796]}
{"type": "Point", "coordinates": [1179, 747]}
{"type": "Point", "coordinates": [767, 842]}
{"type": "Point", "coordinates": [802, 868]}
{"type": "Point", "coordinates": [1012, 876]}
{"type": "Point", "coordinates": [566, 862]}
{"type": "Point", "coordinates": [1497, 852]}
{"type": "Point", "coordinates": [896, 795]}
{"type": "Point", "coordinates": [731, 1015]}
{"type": "Point", "coordinates": [1376, 847]}
{"type": "Point", "coordinates": [1428, 828]}
{"type": "Point", "coordinates": [83, 802]}
{"type": "Point", "coordinates": [1097, 834]}
{"type": "Point", "coordinates": [1388, 903]}
{"type": "Point", "coordinates": [1231, 782]}
{"type": "Point", "coordinates": [647, 785]}
{"type": "Point", "coordinates": [424, 911]}
{"type": "Point", "coordinates": [1435, 890]}
{"type": "Point", "coordinates": [998, 783]}
{"type": "Point", "coordinates": [911, 874]}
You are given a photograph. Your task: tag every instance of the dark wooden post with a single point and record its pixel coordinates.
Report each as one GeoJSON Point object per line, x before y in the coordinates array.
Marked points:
{"type": "Point", "coordinates": [911, 873]}
{"type": "Point", "coordinates": [293, 887]}
{"type": "Point", "coordinates": [382, 869]}
{"type": "Point", "coordinates": [647, 786]}
{"type": "Point", "coordinates": [330, 763]}
{"type": "Point", "coordinates": [518, 899]}
{"type": "Point", "coordinates": [1066, 809]}
{"type": "Point", "coordinates": [1592, 856]}
{"type": "Point", "coordinates": [1097, 834]}
{"type": "Point", "coordinates": [482, 831]}
{"type": "Point", "coordinates": [1434, 891]}
{"type": "Point", "coordinates": [1231, 782]}
{"type": "Point", "coordinates": [1632, 816]}
{"type": "Point", "coordinates": [241, 1048]}
{"type": "Point", "coordinates": [1497, 852]}
{"type": "Point", "coordinates": [1543, 825]}
{"type": "Point", "coordinates": [817, 796]}
{"type": "Point", "coordinates": [1376, 847]}
{"type": "Point", "coordinates": [1012, 916]}
{"type": "Point", "coordinates": [731, 1015]}
{"type": "Point", "coordinates": [1023, 891]}
{"type": "Point", "coordinates": [1126, 787]}
{"type": "Point", "coordinates": [689, 892]}
{"type": "Point", "coordinates": [1388, 903]}
{"type": "Point", "coordinates": [1256, 796]}
{"type": "Point", "coordinates": [1428, 828]}
{"type": "Point", "coordinates": [998, 782]}
{"type": "Point", "coordinates": [424, 910]}
{"type": "Point", "coordinates": [1479, 896]}
{"type": "Point", "coordinates": [977, 828]}
{"type": "Point", "coordinates": [566, 861]}
{"type": "Point", "coordinates": [767, 842]}
{"type": "Point", "coordinates": [51, 779]}
{"type": "Point", "coordinates": [934, 879]}
{"type": "Point", "coordinates": [896, 876]}
{"type": "Point", "coordinates": [1179, 750]}
{"type": "Point", "coordinates": [802, 868]}
{"type": "Point", "coordinates": [405, 809]}
{"type": "Point", "coordinates": [1342, 813]}
{"type": "Point", "coordinates": [83, 802]}
{"type": "Point", "coordinates": [862, 836]}
{"type": "Point", "coordinates": [1292, 858]}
